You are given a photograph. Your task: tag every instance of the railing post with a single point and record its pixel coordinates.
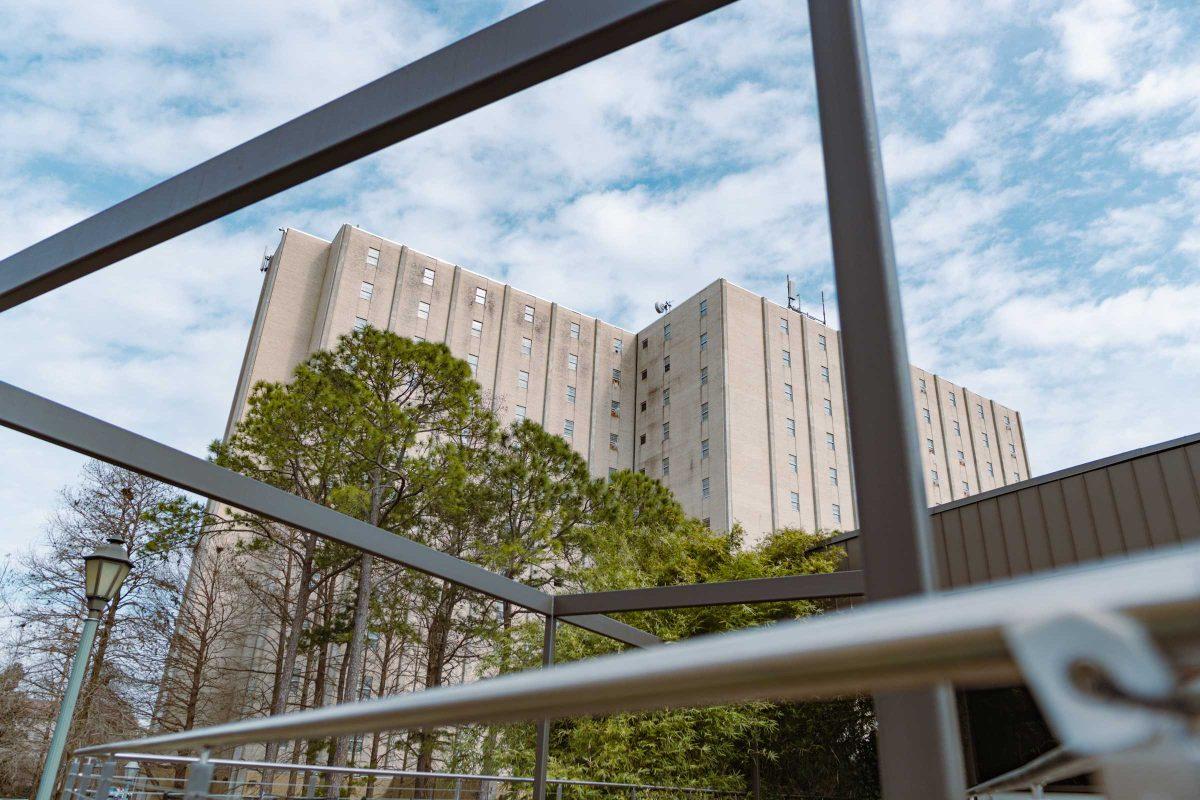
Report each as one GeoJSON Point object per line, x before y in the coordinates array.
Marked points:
{"type": "Point", "coordinates": [542, 745]}
{"type": "Point", "coordinates": [558, 791]}
{"type": "Point", "coordinates": [106, 775]}
{"type": "Point", "coordinates": [458, 789]}
{"type": "Point", "coordinates": [85, 777]}
{"type": "Point", "coordinates": [310, 786]}
{"type": "Point", "coordinates": [920, 756]}
{"type": "Point", "coordinates": [199, 778]}
{"type": "Point", "coordinates": [69, 779]}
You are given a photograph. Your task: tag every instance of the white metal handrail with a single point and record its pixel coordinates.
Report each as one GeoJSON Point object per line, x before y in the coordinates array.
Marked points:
{"type": "Point", "coordinates": [958, 636]}
{"type": "Point", "coordinates": [1055, 765]}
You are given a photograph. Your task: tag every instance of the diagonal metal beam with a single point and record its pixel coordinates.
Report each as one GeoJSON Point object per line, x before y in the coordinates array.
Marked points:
{"type": "Point", "coordinates": [758, 590]}
{"type": "Point", "coordinates": [55, 423]}
{"type": "Point", "coordinates": [523, 50]}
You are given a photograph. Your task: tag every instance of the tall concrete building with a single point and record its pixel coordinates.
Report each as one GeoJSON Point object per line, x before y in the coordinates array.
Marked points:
{"type": "Point", "coordinates": [737, 404]}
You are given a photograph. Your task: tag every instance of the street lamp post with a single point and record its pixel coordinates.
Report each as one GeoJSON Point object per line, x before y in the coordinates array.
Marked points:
{"type": "Point", "coordinates": [106, 569]}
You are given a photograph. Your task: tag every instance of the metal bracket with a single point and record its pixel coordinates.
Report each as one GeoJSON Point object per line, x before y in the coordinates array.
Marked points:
{"type": "Point", "coordinates": [1107, 691]}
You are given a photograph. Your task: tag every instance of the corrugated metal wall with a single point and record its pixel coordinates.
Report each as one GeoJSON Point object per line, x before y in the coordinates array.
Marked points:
{"type": "Point", "coordinates": [1135, 501]}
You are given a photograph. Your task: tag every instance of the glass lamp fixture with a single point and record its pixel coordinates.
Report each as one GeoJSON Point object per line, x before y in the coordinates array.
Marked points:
{"type": "Point", "coordinates": [107, 567]}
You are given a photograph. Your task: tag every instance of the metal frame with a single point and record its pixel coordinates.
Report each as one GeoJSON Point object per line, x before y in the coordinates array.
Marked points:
{"type": "Point", "coordinates": [527, 48]}
{"type": "Point", "coordinates": [900, 645]}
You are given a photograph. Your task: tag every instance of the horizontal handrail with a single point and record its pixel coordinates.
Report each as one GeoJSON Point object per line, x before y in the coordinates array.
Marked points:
{"type": "Point", "coordinates": [1055, 765]}
{"type": "Point", "coordinates": [407, 773]}
{"type": "Point", "coordinates": [953, 636]}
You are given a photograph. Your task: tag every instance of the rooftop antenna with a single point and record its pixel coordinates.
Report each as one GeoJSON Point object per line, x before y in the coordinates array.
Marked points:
{"type": "Point", "coordinates": [823, 322]}
{"type": "Point", "coordinates": [266, 260]}
{"type": "Point", "coordinates": [793, 295]}
{"type": "Point", "coordinates": [663, 307]}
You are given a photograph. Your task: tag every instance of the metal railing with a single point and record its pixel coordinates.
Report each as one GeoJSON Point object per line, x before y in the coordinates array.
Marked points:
{"type": "Point", "coordinates": [959, 636]}
{"type": "Point", "coordinates": [125, 776]}
{"type": "Point", "coordinates": [1056, 765]}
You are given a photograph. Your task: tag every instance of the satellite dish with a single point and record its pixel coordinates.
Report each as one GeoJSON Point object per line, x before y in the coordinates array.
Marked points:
{"type": "Point", "coordinates": [665, 305]}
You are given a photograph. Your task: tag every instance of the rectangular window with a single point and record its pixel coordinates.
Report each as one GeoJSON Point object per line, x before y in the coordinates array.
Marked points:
{"type": "Point", "coordinates": [783, 324]}
{"type": "Point", "coordinates": [708, 522]}
{"type": "Point", "coordinates": [418, 338]}
{"type": "Point", "coordinates": [830, 441]}
{"type": "Point", "coordinates": [833, 476]}
{"type": "Point", "coordinates": [359, 323]}
{"type": "Point", "coordinates": [666, 331]}
{"type": "Point", "coordinates": [666, 397]}
{"type": "Point", "coordinates": [480, 295]}
{"type": "Point", "coordinates": [666, 465]}
{"type": "Point", "coordinates": [795, 501]}
{"type": "Point", "coordinates": [526, 346]}
{"type": "Point", "coordinates": [925, 415]}
{"type": "Point", "coordinates": [572, 362]}
{"type": "Point", "coordinates": [787, 391]}
{"type": "Point", "coordinates": [921, 382]}
{"type": "Point", "coordinates": [473, 362]}
{"type": "Point", "coordinates": [643, 405]}
{"type": "Point", "coordinates": [957, 428]}
{"type": "Point", "coordinates": [991, 469]}
{"type": "Point", "coordinates": [366, 290]}
{"type": "Point", "coordinates": [794, 462]}
{"type": "Point", "coordinates": [616, 373]}
{"type": "Point", "coordinates": [615, 409]}
{"type": "Point", "coordinates": [953, 399]}
{"type": "Point", "coordinates": [522, 380]}
{"type": "Point", "coordinates": [1012, 449]}
{"type": "Point", "coordinates": [428, 276]}
{"type": "Point", "coordinates": [986, 442]}
{"type": "Point", "coordinates": [791, 426]}
{"type": "Point", "coordinates": [929, 445]}
{"type": "Point", "coordinates": [979, 409]}
{"type": "Point", "coordinates": [477, 327]}
{"type": "Point", "coordinates": [821, 341]}
{"type": "Point", "coordinates": [828, 406]}
{"type": "Point", "coordinates": [704, 376]}
{"type": "Point", "coordinates": [529, 313]}
{"type": "Point", "coordinates": [704, 308]}
{"type": "Point", "coordinates": [613, 441]}
{"type": "Point", "coordinates": [618, 345]}
{"type": "Point", "coordinates": [1007, 424]}
{"type": "Point", "coordinates": [961, 456]}
{"type": "Point", "coordinates": [704, 412]}
{"type": "Point", "coordinates": [1016, 476]}
{"type": "Point", "coordinates": [836, 510]}
{"type": "Point", "coordinates": [642, 439]}
{"type": "Point", "coordinates": [966, 487]}
{"type": "Point", "coordinates": [574, 330]}
{"type": "Point", "coordinates": [643, 374]}
{"type": "Point", "coordinates": [520, 413]}
{"type": "Point", "coordinates": [787, 358]}
{"type": "Point", "coordinates": [825, 374]}
{"type": "Point", "coordinates": [611, 471]}
{"type": "Point", "coordinates": [666, 364]}
{"type": "Point", "coordinates": [666, 431]}
{"type": "Point", "coordinates": [933, 476]}
{"type": "Point", "coordinates": [705, 489]}
{"type": "Point", "coordinates": [703, 449]}
{"type": "Point", "coordinates": [372, 256]}
{"type": "Point", "coordinates": [569, 428]}
{"type": "Point", "coordinates": [570, 394]}
{"type": "Point", "coordinates": [703, 341]}
{"type": "Point", "coordinates": [423, 310]}
{"type": "Point", "coordinates": [644, 343]}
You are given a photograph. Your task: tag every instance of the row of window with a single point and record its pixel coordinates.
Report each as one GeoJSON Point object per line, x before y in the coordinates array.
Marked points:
{"type": "Point", "coordinates": [952, 396]}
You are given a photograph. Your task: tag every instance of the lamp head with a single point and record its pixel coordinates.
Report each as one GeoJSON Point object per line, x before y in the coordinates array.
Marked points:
{"type": "Point", "coordinates": [106, 569]}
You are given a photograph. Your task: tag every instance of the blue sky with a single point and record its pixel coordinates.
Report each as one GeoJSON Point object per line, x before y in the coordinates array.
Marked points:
{"type": "Point", "coordinates": [1043, 163]}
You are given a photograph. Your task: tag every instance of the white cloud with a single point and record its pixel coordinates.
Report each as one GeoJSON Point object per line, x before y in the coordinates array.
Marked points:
{"type": "Point", "coordinates": [1095, 35]}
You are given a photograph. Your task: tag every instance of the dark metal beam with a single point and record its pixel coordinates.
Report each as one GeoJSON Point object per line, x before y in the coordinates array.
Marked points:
{"type": "Point", "coordinates": [759, 590]}
{"type": "Point", "coordinates": [919, 753]}
{"type": "Point", "coordinates": [523, 50]}
{"type": "Point", "coordinates": [541, 754]}
{"type": "Point", "coordinates": [55, 423]}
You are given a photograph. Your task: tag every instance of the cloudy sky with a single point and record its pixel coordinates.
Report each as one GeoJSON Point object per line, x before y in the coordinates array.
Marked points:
{"type": "Point", "coordinates": [1043, 161]}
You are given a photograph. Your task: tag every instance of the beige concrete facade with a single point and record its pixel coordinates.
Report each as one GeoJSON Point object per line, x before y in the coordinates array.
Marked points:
{"type": "Point", "coordinates": [737, 404]}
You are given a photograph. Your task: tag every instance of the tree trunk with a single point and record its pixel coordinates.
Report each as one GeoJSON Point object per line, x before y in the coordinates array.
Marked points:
{"type": "Point", "coordinates": [296, 628]}
{"type": "Point", "coordinates": [439, 630]}
{"type": "Point", "coordinates": [354, 654]}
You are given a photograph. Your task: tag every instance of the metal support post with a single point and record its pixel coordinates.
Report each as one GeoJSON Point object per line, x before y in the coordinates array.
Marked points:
{"type": "Point", "coordinates": [62, 725]}
{"type": "Point", "coordinates": [199, 778]}
{"type": "Point", "coordinates": [105, 782]}
{"type": "Point", "coordinates": [458, 789]}
{"type": "Point", "coordinates": [542, 746]}
{"type": "Point", "coordinates": [85, 778]}
{"type": "Point", "coordinates": [558, 791]}
{"type": "Point", "coordinates": [920, 757]}
{"type": "Point", "coordinates": [69, 779]}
